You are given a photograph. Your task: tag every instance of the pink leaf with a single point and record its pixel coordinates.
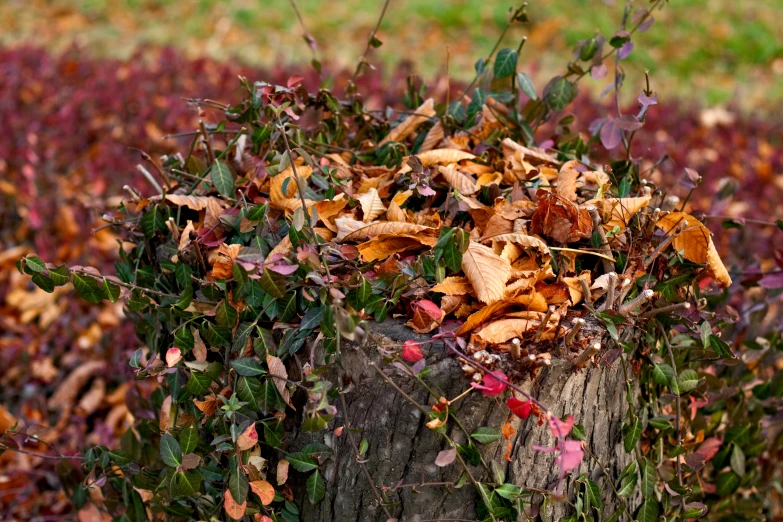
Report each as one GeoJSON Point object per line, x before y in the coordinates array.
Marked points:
{"type": "Point", "coordinates": [446, 457]}
{"type": "Point", "coordinates": [611, 136]}
{"type": "Point", "coordinates": [559, 428]}
{"type": "Point", "coordinates": [430, 309]}
{"type": "Point", "coordinates": [411, 351]}
{"type": "Point", "coordinates": [571, 455]}
{"type": "Point", "coordinates": [492, 385]}
{"type": "Point", "coordinates": [173, 356]}
{"type": "Point", "coordinates": [709, 448]}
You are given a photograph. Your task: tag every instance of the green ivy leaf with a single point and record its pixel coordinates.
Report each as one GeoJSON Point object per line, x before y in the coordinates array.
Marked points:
{"type": "Point", "coordinates": [264, 344]}
{"type": "Point", "coordinates": [43, 282]}
{"type": "Point", "coordinates": [152, 222]}
{"type": "Point", "coordinates": [526, 85]}
{"type": "Point", "coordinates": [256, 213]}
{"type": "Point", "coordinates": [223, 180]}
{"type": "Point", "coordinates": [649, 478]}
{"type": "Point", "coordinates": [215, 335]}
{"type": "Point", "coordinates": [316, 487]}
{"type": "Point", "coordinates": [188, 482]}
{"type": "Point", "coordinates": [486, 435]}
{"type": "Point", "coordinates": [627, 486]}
{"type": "Point", "coordinates": [225, 314]}
{"type": "Point", "coordinates": [593, 494]}
{"type": "Point", "coordinates": [720, 347]}
{"type": "Point", "coordinates": [561, 92]}
{"type": "Point", "coordinates": [738, 460]}
{"type": "Point", "coordinates": [183, 274]}
{"type": "Point", "coordinates": [237, 482]}
{"type": "Point", "coordinates": [505, 63]}
{"type": "Point", "coordinates": [35, 264]}
{"type": "Point", "coordinates": [87, 288]}
{"type": "Point", "coordinates": [242, 334]}
{"type": "Point", "coordinates": [663, 374]}
{"type": "Point", "coordinates": [649, 511]}
{"type": "Point", "coordinates": [170, 451]}
{"type": "Point", "coordinates": [198, 384]}
{"type": "Point", "coordinates": [110, 291]}
{"type": "Point", "coordinates": [631, 434]}
{"type": "Point", "coordinates": [247, 367]}
{"type": "Point", "coordinates": [689, 380]}
{"type": "Point", "coordinates": [184, 339]}
{"type": "Point", "coordinates": [273, 283]}
{"type": "Point", "coordinates": [301, 461]}
{"type": "Point", "coordinates": [120, 457]}
{"type": "Point", "coordinates": [60, 275]}
{"type": "Point", "coordinates": [188, 439]}
{"type": "Point", "coordinates": [726, 483]}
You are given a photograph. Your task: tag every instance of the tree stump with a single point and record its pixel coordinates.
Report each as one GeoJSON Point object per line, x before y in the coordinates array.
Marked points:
{"type": "Point", "coordinates": [402, 450]}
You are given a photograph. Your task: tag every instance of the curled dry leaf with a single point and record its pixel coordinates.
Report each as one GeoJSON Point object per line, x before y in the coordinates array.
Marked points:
{"type": "Point", "coordinates": [276, 367]}
{"type": "Point", "coordinates": [460, 182]}
{"type": "Point", "coordinates": [385, 227]}
{"type": "Point", "coordinates": [566, 180]}
{"type": "Point", "coordinates": [522, 240]}
{"type": "Point", "coordinates": [437, 157]}
{"type": "Point", "coordinates": [487, 272]}
{"type": "Point", "coordinates": [617, 212]}
{"type": "Point", "coordinates": [533, 155]}
{"type": "Point", "coordinates": [560, 219]}
{"type": "Point", "coordinates": [696, 244]}
{"type": "Point", "coordinates": [372, 206]}
{"type": "Point", "coordinates": [65, 394]}
{"type": "Point", "coordinates": [282, 472]}
{"type": "Point", "coordinates": [423, 113]}
{"type": "Point", "coordinates": [192, 202]}
{"type": "Point", "coordinates": [454, 285]}
{"type": "Point", "coordinates": [532, 302]}
{"type": "Point", "coordinates": [433, 137]}
{"type": "Point", "coordinates": [385, 245]}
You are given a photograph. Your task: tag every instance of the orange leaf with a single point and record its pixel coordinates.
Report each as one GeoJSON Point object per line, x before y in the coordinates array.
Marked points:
{"type": "Point", "coordinates": [233, 510]}
{"type": "Point", "coordinates": [264, 490]}
{"type": "Point", "coordinates": [408, 126]}
{"type": "Point", "coordinates": [486, 271]}
{"type": "Point", "coordinates": [696, 244]}
{"type": "Point", "coordinates": [248, 439]}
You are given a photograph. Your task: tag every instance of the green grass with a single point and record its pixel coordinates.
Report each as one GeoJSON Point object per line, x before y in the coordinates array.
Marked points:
{"type": "Point", "coordinates": [712, 50]}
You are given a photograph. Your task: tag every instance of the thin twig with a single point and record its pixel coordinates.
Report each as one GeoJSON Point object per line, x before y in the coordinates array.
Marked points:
{"type": "Point", "coordinates": [677, 400]}
{"type": "Point", "coordinates": [363, 59]}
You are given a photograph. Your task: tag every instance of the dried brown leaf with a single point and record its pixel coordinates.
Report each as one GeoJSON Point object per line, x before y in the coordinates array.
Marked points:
{"type": "Point", "coordinates": [423, 113]}
{"type": "Point", "coordinates": [486, 271]}
{"type": "Point", "coordinates": [696, 244]}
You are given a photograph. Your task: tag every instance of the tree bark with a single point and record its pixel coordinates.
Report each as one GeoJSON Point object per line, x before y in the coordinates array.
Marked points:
{"type": "Point", "coordinates": [402, 450]}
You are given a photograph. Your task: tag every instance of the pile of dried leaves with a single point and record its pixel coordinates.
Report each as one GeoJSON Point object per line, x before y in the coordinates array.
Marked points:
{"type": "Point", "coordinates": [452, 217]}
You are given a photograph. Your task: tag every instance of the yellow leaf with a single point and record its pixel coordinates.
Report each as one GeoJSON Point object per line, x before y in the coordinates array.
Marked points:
{"type": "Point", "coordinates": [489, 178]}
{"type": "Point", "coordinates": [619, 211]}
{"type": "Point", "coordinates": [433, 137]}
{"type": "Point", "coordinates": [534, 302]}
{"type": "Point", "coordinates": [460, 182]}
{"type": "Point", "coordinates": [575, 288]}
{"type": "Point", "coordinates": [385, 227]}
{"type": "Point", "coordinates": [408, 126]}
{"type": "Point", "coordinates": [276, 195]}
{"type": "Point", "coordinates": [264, 490]}
{"type": "Point", "coordinates": [371, 203]}
{"type": "Point", "coordinates": [387, 244]}
{"type": "Point", "coordinates": [346, 225]}
{"type": "Point", "coordinates": [437, 157]}
{"type": "Point", "coordinates": [523, 240]}
{"type": "Point", "coordinates": [533, 155]}
{"type": "Point", "coordinates": [454, 285]}
{"type": "Point", "coordinates": [486, 271]}
{"type": "Point", "coordinates": [696, 244]}
{"type": "Point", "coordinates": [505, 329]}
{"type": "Point", "coordinates": [283, 247]}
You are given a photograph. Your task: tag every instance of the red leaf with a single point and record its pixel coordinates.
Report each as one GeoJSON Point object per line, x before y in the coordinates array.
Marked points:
{"type": "Point", "coordinates": [519, 408]}
{"type": "Point", "coordinates": [492, 385]}
{"type": "Point", "coordinates": [411, 351]}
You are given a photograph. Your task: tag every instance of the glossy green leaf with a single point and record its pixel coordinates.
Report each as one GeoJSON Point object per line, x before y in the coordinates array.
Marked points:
{"type": "Point", "coordinates": [170, 451]}
{"type": "Point", "coordinates": [223, 180]}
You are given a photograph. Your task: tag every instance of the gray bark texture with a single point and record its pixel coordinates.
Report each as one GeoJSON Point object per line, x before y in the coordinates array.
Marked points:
{"type": "Point", "coordinates": [402, 450]}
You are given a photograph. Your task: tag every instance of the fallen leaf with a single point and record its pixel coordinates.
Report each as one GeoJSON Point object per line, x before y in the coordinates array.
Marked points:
{"type": "Point", "coordinates": [282, 472]}
{"type": "Point", "coordinates": [460, 182]}
{"type": "Point", "coordinates": [436, 157]}
{"type": "Point", "coordinates": [423, 113]}
{"type": "Point", "coordinates": [486, 271]}
{"type": "Point", "coordinates": [371, 204]}
{"type": "Point", "coordinates": [696, 244]}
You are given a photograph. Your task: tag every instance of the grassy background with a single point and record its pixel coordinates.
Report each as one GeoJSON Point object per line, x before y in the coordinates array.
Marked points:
{"type": "Point", "coordinates": [711, 50]}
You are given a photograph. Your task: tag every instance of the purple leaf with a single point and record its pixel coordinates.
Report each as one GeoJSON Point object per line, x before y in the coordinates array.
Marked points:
{"type": "Point", "coordinates": [645, 101]}
{"type": "Point", "coordinates": [689, 179]}
{"type": "Point", "coordinates": [646, 25]}
{"type": "Point", "coordinates": [628, 123]}
{"type": "Point", "coordinates": [625, 50]}
{"type": "Point", "coordinates": [611, 136]}
{"type": "Point", "coordinates": [445, 457]}
{"type": "Point", "coordinates": [598, 72]}
{"type": "Point", "coordinates": [772, 280]}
